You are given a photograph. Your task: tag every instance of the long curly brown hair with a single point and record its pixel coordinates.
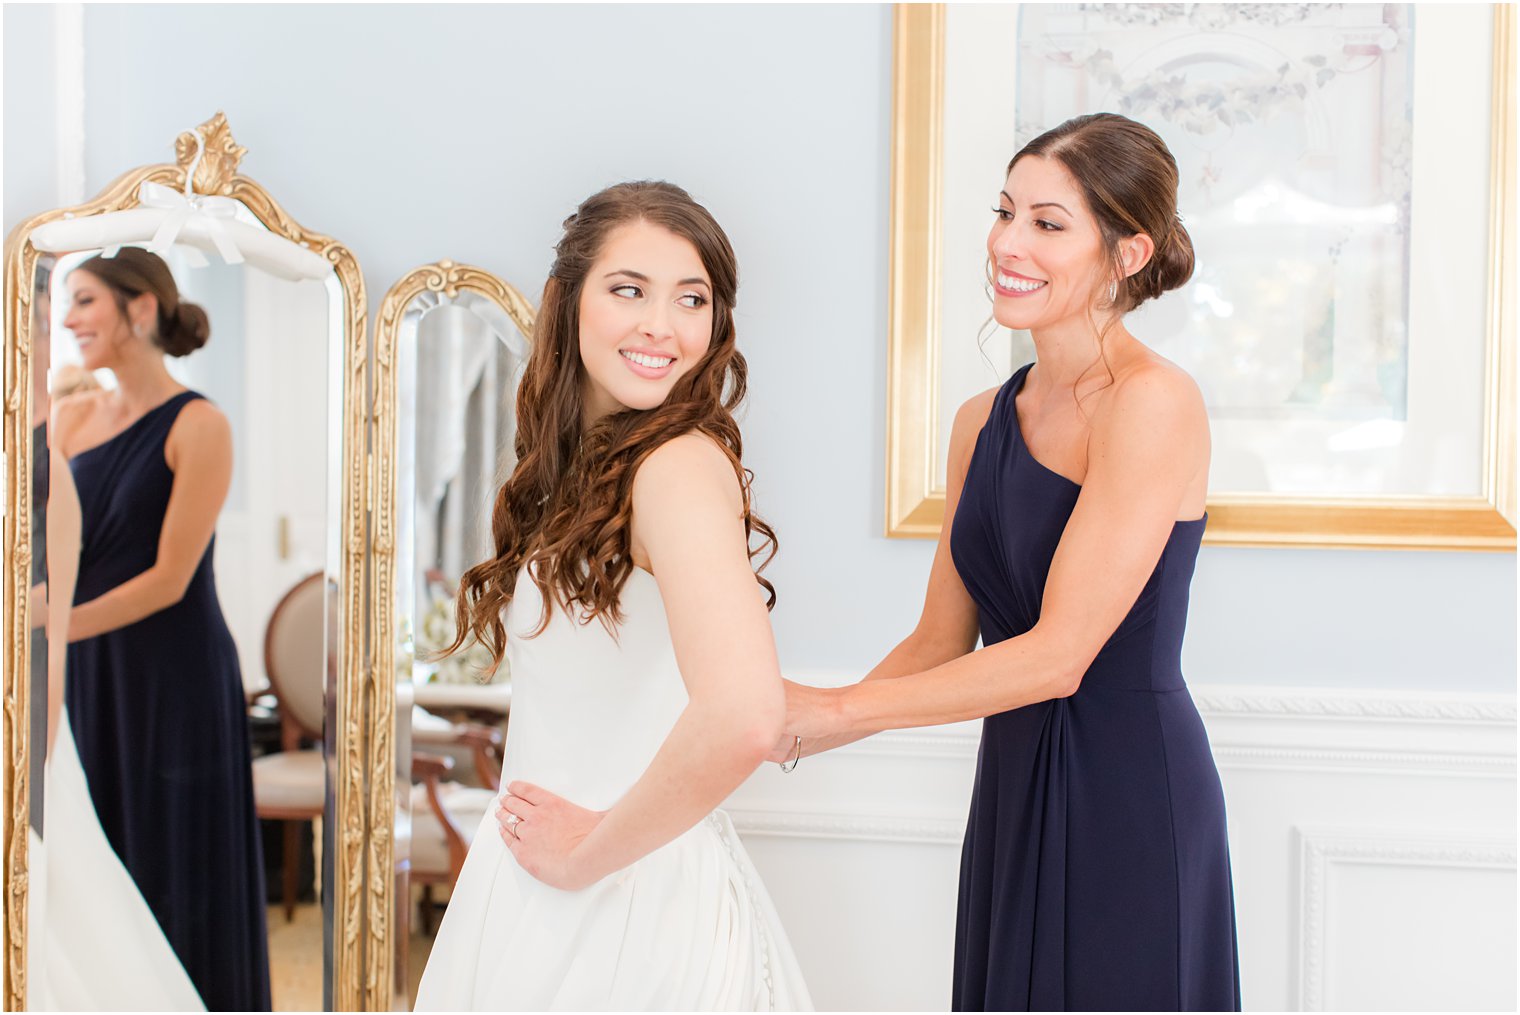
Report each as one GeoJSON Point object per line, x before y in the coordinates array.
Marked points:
{"type": "Point", "coordinates": [566, 510]}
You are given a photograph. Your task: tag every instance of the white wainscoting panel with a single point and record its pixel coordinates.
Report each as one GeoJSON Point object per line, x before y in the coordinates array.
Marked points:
{"type": "Point", "coordinates": [1372, 841]}
{"type": "Point", "coordinates": [1380, 911]}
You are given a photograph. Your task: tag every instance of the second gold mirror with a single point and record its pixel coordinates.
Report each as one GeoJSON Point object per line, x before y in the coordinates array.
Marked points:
{"type": "Point", "coordinates": [451, 342]}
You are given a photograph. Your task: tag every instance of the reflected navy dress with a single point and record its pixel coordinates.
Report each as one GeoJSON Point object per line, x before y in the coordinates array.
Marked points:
{"type": "Point", "coordinates": [1096, 870]}
{"type": "Point", "coordinates": [158, 713]}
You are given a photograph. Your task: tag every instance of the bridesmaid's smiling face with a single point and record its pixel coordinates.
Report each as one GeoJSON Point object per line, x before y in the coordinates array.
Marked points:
{"type": "Point", "coordinates": [1047, 257]}
{"type": "Point", "coordinates": [97, 322]}
{"type": "Point", "coordinates": [646, 319]}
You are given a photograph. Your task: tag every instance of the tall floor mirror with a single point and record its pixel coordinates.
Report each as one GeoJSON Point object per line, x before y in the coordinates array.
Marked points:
{"type": "Point", "coordinates": [451, 342]}
{"type": "Point", "coordinates": [185, 405]}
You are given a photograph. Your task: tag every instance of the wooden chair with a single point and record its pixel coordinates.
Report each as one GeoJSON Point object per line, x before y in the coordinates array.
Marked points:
{"type": "Point", "coordinates": [446, 813]}
{"type": "Point", "coordinates": [290, 785]}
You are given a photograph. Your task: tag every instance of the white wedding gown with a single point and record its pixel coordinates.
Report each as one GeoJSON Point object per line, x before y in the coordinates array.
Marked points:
{"type": "Point", "coordinates": [93, 943]}
{"type": "Point", "coordinates": [687, 927]}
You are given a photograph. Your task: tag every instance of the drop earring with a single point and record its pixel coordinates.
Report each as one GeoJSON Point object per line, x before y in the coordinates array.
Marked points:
{"type": "Point", "coordinates": [1113, 292]}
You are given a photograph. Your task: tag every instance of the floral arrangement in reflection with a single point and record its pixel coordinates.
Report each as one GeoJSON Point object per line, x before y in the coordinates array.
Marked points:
{"type": "Point", "coordinates": [471, 664]}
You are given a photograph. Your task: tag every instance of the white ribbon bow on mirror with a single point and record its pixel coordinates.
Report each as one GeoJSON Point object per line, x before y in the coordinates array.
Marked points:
{"type": "Point", "coordinates": [199, 222]}
{"type": "Point", "coordinates": [213, 213]}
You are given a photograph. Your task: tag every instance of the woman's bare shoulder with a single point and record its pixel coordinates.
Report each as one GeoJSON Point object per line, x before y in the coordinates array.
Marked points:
{"type": "Point", "coordinates": [1152, 393]}
{"type": "Point", "coordinates": [692, 457]}
{"type": "Point", "coordinates": [201, 428]}
{"type": "Point", "coordinates": [202, 412]}
{"type": "Point", "coordinates": [973, 413]}
{"type": "Point", "coordinates": [685, 491]}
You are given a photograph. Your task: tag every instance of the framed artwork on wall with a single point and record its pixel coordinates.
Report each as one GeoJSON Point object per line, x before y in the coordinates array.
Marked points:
{"type": "Point", "coordinates": [1347, 173]}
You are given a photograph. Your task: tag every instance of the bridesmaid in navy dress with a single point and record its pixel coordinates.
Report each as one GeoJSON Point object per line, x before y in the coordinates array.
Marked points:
{"type": "Point", "coordinates": [1096, 872]}
{"type": "Point", "coordinates": [155, 694]}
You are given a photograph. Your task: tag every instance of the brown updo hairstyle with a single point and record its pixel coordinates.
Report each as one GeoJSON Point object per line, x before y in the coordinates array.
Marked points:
{"type": "Point", "coordinates": [182, 327]}
{"type": "Point", "coordinates": [566, 508]}
{"type": "Point", "coordinates": [1129, 179]}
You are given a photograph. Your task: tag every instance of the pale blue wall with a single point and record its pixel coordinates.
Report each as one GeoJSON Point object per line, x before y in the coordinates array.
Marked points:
{"type": "Point", "coordinates": [416, 133]}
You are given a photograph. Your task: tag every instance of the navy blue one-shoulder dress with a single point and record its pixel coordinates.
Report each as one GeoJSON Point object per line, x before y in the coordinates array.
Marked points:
{"type": "Point", "coordinates": [1096, 869]}
{"type": "Point", "coordinates": [159, 717]}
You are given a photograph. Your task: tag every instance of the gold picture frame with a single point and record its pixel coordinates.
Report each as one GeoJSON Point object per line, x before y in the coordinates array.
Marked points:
{"type": "Point", "coordinates": [215, 174]}
{"type": "Point", "coordinates": [915, 496]}
{"type": "Point", "coordinates": [383, 908]}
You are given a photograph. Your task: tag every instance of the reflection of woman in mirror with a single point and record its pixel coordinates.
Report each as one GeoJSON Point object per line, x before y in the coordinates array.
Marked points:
{"type": "Point", "coordinates": [95, 944]}
{"type": "Point", "coordinates": [645, 680]}
{"type": "Point", "coordinates": [1096, 870]}
{"type": "Point", "coordinates": [154, 691]}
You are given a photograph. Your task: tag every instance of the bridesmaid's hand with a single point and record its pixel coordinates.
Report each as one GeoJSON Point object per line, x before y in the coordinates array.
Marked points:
{"type": "Point", "coordinates": [784, 749]}
{"type": "Point", "coordinates": [812, 713]}
{"type": "Point", "coordinates": [542, 830]}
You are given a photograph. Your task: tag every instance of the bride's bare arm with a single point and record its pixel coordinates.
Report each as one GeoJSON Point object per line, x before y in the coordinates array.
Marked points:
{"type": "Point", "coordinates": [687, 519]}
{"type": "Point", "coordinates": [63, 538]}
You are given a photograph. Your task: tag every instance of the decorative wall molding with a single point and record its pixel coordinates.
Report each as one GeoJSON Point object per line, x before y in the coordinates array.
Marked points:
{"type": "Point", "coordinates": [1304, 703]}
{"type": "Point", "coordinates": [1318, 849]}
{"type": "Point", "coordinates": [1463, 737]}
{"type": "Point", "coordinates": [847, 827]}
{"type": "Point", "coordinates": [1347, 731]}
{"type": "Point", "coordinates": [1496, 766]}
{"type": "Point", "coordinates": [1252, 701]}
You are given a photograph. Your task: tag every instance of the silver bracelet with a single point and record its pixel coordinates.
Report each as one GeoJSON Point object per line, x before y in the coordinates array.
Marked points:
{"type": "Point", "coordinates": [787, 766]}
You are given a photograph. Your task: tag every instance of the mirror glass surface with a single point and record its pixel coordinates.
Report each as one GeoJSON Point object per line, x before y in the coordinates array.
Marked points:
{"type": "Point", "coordinates": [179, 806]}
{"type": "Point", "coordinates": [458, 360]}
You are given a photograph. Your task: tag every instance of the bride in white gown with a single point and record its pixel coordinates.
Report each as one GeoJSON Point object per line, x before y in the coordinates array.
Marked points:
{"type": "Point", "coordinates": [94, 945]}
{"type": "Point", "coordinates": [645, 679]}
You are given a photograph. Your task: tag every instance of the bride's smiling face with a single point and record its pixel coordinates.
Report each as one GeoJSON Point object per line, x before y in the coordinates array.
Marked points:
{"type": "Point", "coordinates": [646, 319]}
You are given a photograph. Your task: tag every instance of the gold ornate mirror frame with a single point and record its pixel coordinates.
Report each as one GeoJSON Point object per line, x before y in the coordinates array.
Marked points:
{"type": "Point", "coordinates": [216, 174]}
{"type": "Point", "coordinates": [915, 501]}
{"type": "Point", "coordinates": [380, 761]}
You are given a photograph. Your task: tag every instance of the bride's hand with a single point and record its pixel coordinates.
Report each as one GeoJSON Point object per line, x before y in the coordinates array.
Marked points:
{"type": "Point", "coordinates": [542, 830]}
